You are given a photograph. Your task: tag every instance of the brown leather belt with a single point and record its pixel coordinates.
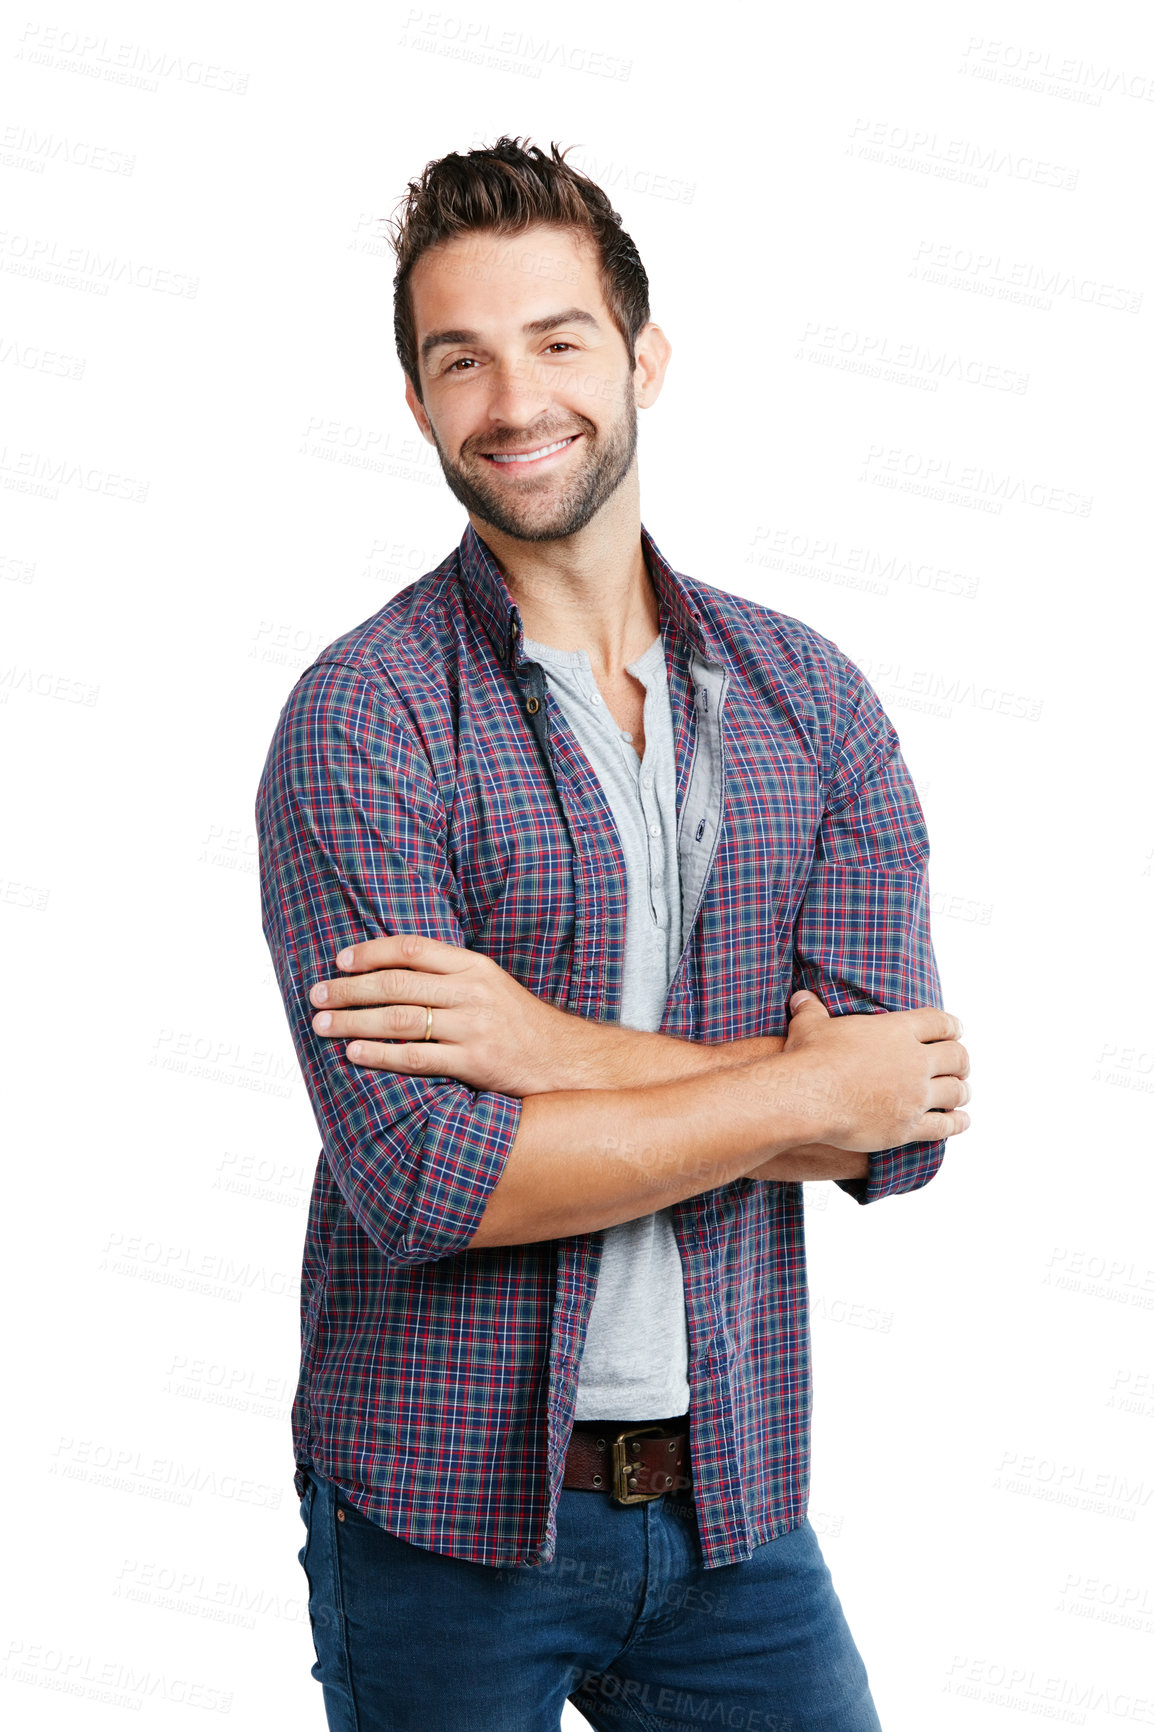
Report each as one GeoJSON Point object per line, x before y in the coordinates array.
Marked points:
{"type": "Point", "coordinates": [633, 1462]}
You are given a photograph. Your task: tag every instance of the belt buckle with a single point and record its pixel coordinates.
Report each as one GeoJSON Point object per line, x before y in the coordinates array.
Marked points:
{"type": "Point", "coordinates": [621, 1467]}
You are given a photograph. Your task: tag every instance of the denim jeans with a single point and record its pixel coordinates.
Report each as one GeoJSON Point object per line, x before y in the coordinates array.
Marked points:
{"type": "Point", "coordinates": [624, 1622]}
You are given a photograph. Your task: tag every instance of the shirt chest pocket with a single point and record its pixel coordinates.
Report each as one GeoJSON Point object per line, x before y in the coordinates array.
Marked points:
{"type": "Point", "coordinates": [514, 861]}
{"type": "Point", "coordinates": [769, 833]}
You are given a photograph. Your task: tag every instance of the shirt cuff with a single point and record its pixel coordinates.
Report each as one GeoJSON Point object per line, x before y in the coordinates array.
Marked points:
{"type": "Point", "coordinates": [463, 1163]}
{"type": "Point", "coordinates": [892, 1171]}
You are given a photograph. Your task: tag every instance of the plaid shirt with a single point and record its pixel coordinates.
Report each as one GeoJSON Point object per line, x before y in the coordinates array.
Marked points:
{"type": "Point", "coordinates": [422, 779]}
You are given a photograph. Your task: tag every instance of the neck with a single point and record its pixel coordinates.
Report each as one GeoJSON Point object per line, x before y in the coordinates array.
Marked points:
{"type": "Point", "coordinates": [589, 591]}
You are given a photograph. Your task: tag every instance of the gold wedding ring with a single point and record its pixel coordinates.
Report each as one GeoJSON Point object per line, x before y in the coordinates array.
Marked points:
{"type": "Point", "coordinates": [428, 1022]}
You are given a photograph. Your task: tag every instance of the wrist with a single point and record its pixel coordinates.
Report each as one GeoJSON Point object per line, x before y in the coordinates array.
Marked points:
{"type": "Point", "coordinates": [585, 1055]}
{"type": "Point", "coordinates": [787, 1097]}
{"type": "Point", "coordinates": [740, 1052]}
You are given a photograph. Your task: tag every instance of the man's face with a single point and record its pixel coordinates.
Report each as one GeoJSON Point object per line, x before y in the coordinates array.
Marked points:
{"type": "Point", "coordinates": [528, 393]}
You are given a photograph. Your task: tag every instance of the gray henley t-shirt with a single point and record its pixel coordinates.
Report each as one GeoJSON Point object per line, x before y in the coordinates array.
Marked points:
{"type": "Point", "coordinates": [635, 1360]}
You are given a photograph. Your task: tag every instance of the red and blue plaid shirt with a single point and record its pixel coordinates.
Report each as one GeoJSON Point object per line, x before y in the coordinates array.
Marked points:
{"type": "Point", "coordinates": [413, 785]}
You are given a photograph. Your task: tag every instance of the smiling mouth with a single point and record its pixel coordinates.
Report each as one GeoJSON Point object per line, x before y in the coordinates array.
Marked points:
{"type": "Point", "coordinates": [523, 459]}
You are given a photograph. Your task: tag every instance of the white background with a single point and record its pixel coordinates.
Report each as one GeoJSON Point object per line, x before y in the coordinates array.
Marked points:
{"type": "Point", "coordinates": [863, 227]}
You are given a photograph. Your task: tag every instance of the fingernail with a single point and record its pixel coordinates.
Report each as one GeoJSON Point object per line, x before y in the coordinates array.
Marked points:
{"type": "Point", "coordinates": [322, 1022]}
{"type": "Point", "coordinates": [799, 998]}
{"type": "Point", "coordinates": [320, 993]}
{"type": "Point", "coordinates": [345, 959]}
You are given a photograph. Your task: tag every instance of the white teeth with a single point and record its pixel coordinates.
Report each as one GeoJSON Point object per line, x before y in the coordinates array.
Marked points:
{"type": "Point", "coordinates": [531, 456]}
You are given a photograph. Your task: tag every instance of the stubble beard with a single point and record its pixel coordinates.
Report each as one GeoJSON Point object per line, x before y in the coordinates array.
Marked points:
{"type": "Point", "coordinates": [570, 503]}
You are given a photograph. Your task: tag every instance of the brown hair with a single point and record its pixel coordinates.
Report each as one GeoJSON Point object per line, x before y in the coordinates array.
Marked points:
{"type": "Point", "coordinates": [504, 188]}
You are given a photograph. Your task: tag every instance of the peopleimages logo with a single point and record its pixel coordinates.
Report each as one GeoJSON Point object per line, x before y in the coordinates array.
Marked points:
{"type": "Point", "coordinates": [42, 474]}
{"type": "Point", "coordinates": [50, 260]}
{"type": "Point", "coordinates": [478, 41]}
{"type": "Point", "coordinates": [1023, 281]}
{"type": "Point", "coordinates": [128, 63]}
{"type": "Point", "coordinates": [853, 564]}
{"type": "Point", "coordinates": [114, 1683]}
{"type": "Point", "coordinates": [215, 1273]}
{"type": "Point", "coordinates": [877, 355]}
{"type": "Point", "coordinates": [1040, 69]}
{"type": "Point", "coordinates": [960, 159]}
{"type": "Point", "coordinates": [160, 1478]}
{"type": "Point", "coordinates": [1005, 1684]}
{"type": "Point", "coordinates": [26, 147]}
{"type": "Point", "coordinates": [940, 476]}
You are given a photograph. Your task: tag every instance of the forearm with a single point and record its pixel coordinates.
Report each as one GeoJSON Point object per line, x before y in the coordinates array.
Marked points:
{"type": "Point", "coordinates": [814, 1161]}
{"type": "Point", "coordinates": [592, 1158]}
{"type": "Point", "coordinates": [606, 1055]}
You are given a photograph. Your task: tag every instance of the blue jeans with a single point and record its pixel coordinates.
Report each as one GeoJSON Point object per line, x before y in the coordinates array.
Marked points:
{"type": "Point", "coordinates": [624, 1622]}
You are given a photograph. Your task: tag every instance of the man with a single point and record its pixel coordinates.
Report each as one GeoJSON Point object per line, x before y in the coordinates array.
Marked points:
{"type": "Point", "coordinates": [548, 846]}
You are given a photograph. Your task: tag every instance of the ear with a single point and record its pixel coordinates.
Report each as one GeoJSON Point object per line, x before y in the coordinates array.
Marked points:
{"type": "Point", "coordinates": [653, 350]}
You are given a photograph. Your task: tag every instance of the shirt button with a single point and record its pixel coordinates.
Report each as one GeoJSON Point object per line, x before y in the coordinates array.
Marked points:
{"type": "Point", "coordinates": [596, 697]}
{"type": "Point", "coordinates": [647, 781]}
{"type": "Point", "coordinates": [655, 829]}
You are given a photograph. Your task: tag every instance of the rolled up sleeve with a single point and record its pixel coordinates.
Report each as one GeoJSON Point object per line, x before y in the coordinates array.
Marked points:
{"type": "Point", "coordinates": [352, 835]}
{"type": "Point", "coordinates": [862, 935]}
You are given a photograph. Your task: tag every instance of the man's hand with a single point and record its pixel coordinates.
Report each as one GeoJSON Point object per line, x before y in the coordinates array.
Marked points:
{"type": "Point", "coordinates": [870, 1081]}
{"type": "Point", "coordinates": [488, 1030]}
{"type": "Point", "coordinates": [494, 1034]}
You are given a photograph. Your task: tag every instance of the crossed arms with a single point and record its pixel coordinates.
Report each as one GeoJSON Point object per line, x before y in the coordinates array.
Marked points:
{"type": "Point", "coordinates": [567, 1126]}
{"type": "Point", "coordinates": [617, 1122]}
{"type": "Point", "coordinates": [490, 1032]}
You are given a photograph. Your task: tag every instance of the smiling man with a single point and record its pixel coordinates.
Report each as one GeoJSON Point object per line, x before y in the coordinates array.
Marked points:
{"type": "Point", "coordinates": [584, 882]}
{"type": "Point", "coordinates": [580, 481]}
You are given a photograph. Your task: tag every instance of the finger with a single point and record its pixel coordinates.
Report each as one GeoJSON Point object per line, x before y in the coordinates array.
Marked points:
{"type": "Point", "coordinates": [948, 1092]}
{"type": "Point", "coordinates": [392, 1022]}
{"type": "Point", "coordinates": [403, 950]}
{"type": "Point", "coordinates": [935, 1126]}
{"type": "Point", "coordinates": [388, 986]}
{"type": "Point", "coordinates": [949, 1058]}
{"type": "Point", "coordinates": [930, 1024]}
{"type": "Point", "coordinates": [412, 1058]}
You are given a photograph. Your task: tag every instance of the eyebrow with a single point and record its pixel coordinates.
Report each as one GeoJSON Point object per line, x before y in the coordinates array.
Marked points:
{"type": "Point", "coordinates": [535, 328]}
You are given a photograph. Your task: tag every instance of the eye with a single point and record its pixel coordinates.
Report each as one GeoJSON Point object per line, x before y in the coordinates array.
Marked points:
{"type": "Point", "coordinates": [561, 344]}
{"type": "Point", "coordinates": [463, 360]}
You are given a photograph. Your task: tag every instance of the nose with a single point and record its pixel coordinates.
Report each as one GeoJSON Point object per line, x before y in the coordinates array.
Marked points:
{"type": "Point", "coordinates": [518, 394]}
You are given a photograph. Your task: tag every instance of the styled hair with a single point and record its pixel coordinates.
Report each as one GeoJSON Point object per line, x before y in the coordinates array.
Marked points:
{"type": "Point", "coordinates": [502, 189]}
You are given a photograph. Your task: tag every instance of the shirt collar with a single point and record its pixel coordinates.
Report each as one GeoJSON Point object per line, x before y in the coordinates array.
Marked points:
{"type": "Point", "coordinates": [488, 595]}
